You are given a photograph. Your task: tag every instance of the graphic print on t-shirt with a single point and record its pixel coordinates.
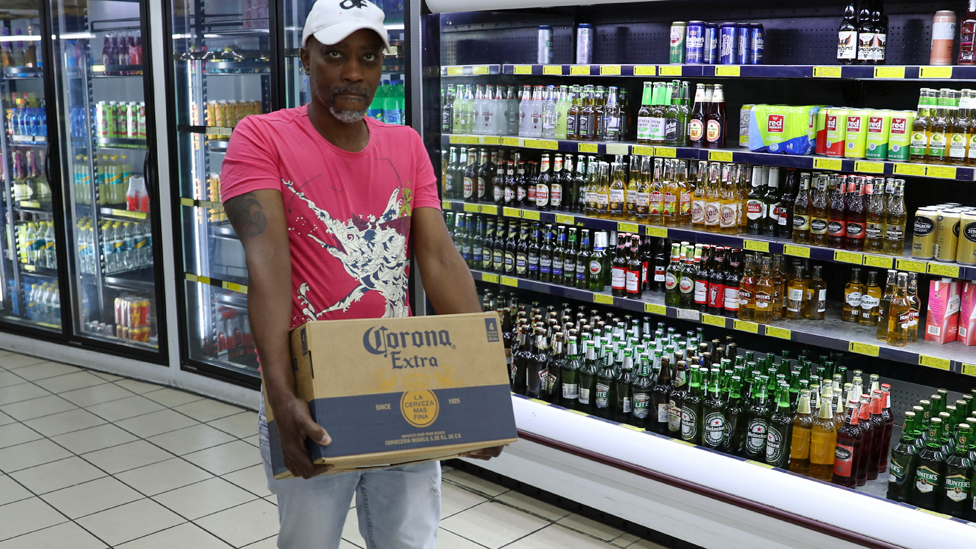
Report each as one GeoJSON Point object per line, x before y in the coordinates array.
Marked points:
{"type": "Point", "coordinates": [373, 252]}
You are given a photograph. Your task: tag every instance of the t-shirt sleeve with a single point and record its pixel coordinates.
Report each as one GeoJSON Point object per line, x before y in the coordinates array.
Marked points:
{"type": "Point", "coordinates": [425, 187]}
{"type": "Point", "coordinates": [251, 162]}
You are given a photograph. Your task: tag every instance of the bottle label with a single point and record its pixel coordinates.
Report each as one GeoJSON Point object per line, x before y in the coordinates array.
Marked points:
{"type": "Point", "coordinates": [822, 301]}
{"type": "Point", "coordinates": [656, 202]}
{"type": "Point", "coordinates": [836, 228]}
{"type": "Point", "coordinates": [801, 223]}
{"type": "Point", "coordinates": [569, 267]}
{"type": "Point", "coordinates": [695, 129]}
{"type": "Point", "coordinates": [729, 215]}
{"type": "Point", "coordinates": [631, 202]}
{"type": "Point", "coordinates": [555, 196]}
{"type": "Point", "coordinates": [602, 395]}
{"type": "Point", "coordinates": [701, 292]}
{"type": "Point", "coordinates": [880, 45]}
{"type": "Point", "coordinates": [712, 213]}
{"type": "Point", "coordinates": [602, 200]}
{"type": "Point", "coordinates": [756, 436]}
{"type": "Point", "coordinates": [755, 209]}
{"type": "Point", "coordinates": [716, 296]}
{"type": "Point", "coordinates": [774, 445]}
{"type": "Point", "coordinates": [763, 300]}
{"type": "Point", "coordinates": [468, 187]}
{"type": "Point", "coordinates": [595, 268]}
{"type": "Point", "coordinates": [957, 145]}
{"type": "Point", "coordinates": [731, 299]}
{"type": "Point", "coordinates": [618, 278]}
{"type": "Point", "coordinates": [633, 282]}
{"type": "Point", "coordinates": [937, 144]}
{"type": "Point", "coordinates": [557, 266]}
{"type": "Point", "coordinates": [868, 302]}
{"type": "Point", "coordinates": [714, 429]}
{"type": "Point", "coordinates": [674, 417]}
{"type": "Point", "coordinates": [545, 264]}
{"type": "Point", "coordinates": [896, 471]}
{"type": "Point", "coordinates": [796, 295]}
{"type": "Point", "coordinates": [855, 230]}
{"type": "Point", "coordinates": [498, 193]}
{"type": "Point", "coordinates": [670, 281]}
{"type": "Point", "coordinates": [713, 131]}
{"type": "Point", "coordinates": [843, 460]}
{"type": "Point", "coordinates": [853, 299]}
{"type": "Point", "coordinates": [570, 391]}
{"type": "Point", "coordinates": [686, 285]}
{"type": "Point", "coordinates": [745, 296]}
{"type": "Point", "coordinates": [521, 263]}
{"type": "Point", "coordinates": [874, 231]}
{"type": "Point", "coordinates": [697, 211]}
{"type": "Point", "coordinates": [509, 262]}
{"type": "Point", "coordinates": [972, 147]}
{"type": "Point", "coordinates": [662, 413]}
{"type": "Point", "coordinates": [519, 193]}
{"type": "Point", "coordinates": [641, 401]}
{"type": "Point", "coordinates": [542, 195]}
{"type": "Point", "coordinates": [657, 129]}
{"type": "Point", "coordinates": [846, 45]}
{"type": "Point", "coordinates": [643, 128]}
{"type": "Point", "coordinates": [660, 274]}
{"type": "Point", "coordinates": [584, 395]}
{"type": "Point", "coordinates": [670, 129]}
{"type": "Point", "coordinates": [919, 144]}
{"type": "Point", "coordinates": [570, 125]}
{"type": "Point", "coordinates": [957, 487]}
{"type": "Point", "coordinates": [616, 201]}
{"type": "Point", "coordinates": [895, 233]}
{"type": "Point", "coordinates": [531, 193]}
{"type": "Point", "coordinates": [865, 45]}
{"type": "Point", "coordinates": [926, 479]}
{"type": "Point", "coordinates": [689, 424]}
{"type": "Point", "coordinates": [904, 320]}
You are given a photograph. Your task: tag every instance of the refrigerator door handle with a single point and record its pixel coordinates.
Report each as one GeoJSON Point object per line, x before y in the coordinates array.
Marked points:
{"type": "Point", "coordinates": [47, 161]}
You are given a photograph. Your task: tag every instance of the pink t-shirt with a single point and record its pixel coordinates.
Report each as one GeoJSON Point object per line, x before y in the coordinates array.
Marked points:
{"type": "Point", "coordinates": [348, 212]}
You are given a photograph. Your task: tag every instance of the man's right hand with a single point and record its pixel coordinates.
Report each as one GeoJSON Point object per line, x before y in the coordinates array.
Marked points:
{"type": "Point", "coordinates": [295, 424]}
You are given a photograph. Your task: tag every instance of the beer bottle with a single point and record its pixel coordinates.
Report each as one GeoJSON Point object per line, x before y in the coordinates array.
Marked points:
{"type": "Point", "coordinates": [536, 366]}
{"type": "Point", "coordinates": [617, 195]}
{"type": "Point", "coordinates": [612, 115]}
{"type": "Point", "coordinates": [904, 460]}
{"type": "Point", "coordinates": [716, 283]}
{"type": "Point", "coordinates": [713, 200]}
{"type": "Point", "coordinates": [656, 196]}
{"type": "Point", "coordinates": [618, 271]}
{"type": "Point", "coordinates": [484, 176]}
{"type": "Point", "coordinates": [756, 424]}
{"type": "Point", "coordinates": [640, 390]}
{"type": "Point", "coordinates": [823, 439]}
{"type": "Point", "coordinates": [691, 408]}
{"type": "Point", "coordinates": [623, 381]}
{"type": "Point", "coordinates": [836, 228]}
{"type": "Point", "coordinates": [605, 394]}
{"type": "Point", "coordinates": [850, 448]}
{"type": "Point", "coordinates": [816, 295]}
{"type": "Point", "coordinates": [587, 379]}
{"type": "Point", "coordinates": [450, 184]}
{"type": "Point", "coordinates": [697, 121]}
{"type": "Point", "coordinates": [939, 131]}
{"type": "Point", "coordinates": [687, 280]}
{"type": "Point", "coordinates": [531, 183]}
{"type": "Point", "coordinates": [570, 259]}
{"type": "Point", "coordinates": [702, 277]}
{"type": "Point", "coordinates": [485, 262]}
{"type": "Point", "coordinates": [713, 422]}
{"type": "Point", "coordinates": [895, 218]}
{"type": "Point", "coordinates": [800, 435]}
{"type": "Point", "coordinates": [602, 184]}
{"type": "Point", "coordinates": [510, 190]}
{"type": "Point", "coordinates": [763, 313]}
{"type": "Point", "coordinates": [801, 212]}
{"type": "Point", "coordinates": [888, 419]}
{"type": "Point", "coordinates": [755, 205]}
{"type": "Point", "coordinates": [715, 120]}
{"type": "Point", "coordinates": [771, 200]}
{"type": "Point", "coordinates": [958, 499]}
{"type": "Point", "coordinates": [660, 394]}
{"type": "Point", "coordinates": [471, 176]}
{"type": "Point", "coordinates": [819, 224]}
{"type": "Point", "coordinates": [779, 429]}
{"type": "Point", "coordinates": [852, 297]}
{"type": "Point", "coordinates": [573, 115]}
{"type": "Point", "coordinates": [728, 216]}
{"type": "Point", "coordinates": [795, 293]}
{"type": "Point", "coordinates": [684, 193]}
{"type": "Point", "coordinates": [521, 184]}
{"type": "Point", "coordinates": [916, 306]}
{"type": "Point", "coordinates": [847, 37]}
{"type": "Point", "coordinates": [644, 115]}
{"type": "Point", "coordinates": [595, 274]}
{"type": "Point", "coordinates": [959, 130]}
{"type": "Point", "coordinates": [870, 300]}
{"type": "Point", "coordinates": [885, 304]}
{"type": "Point", "coordinates": [600, 107]}
{"type": "Point", "coordinates": [899, 315]}
{"type": "Point", "coordinates": [874, 231]}
{"type": "Point", "coordinates": [672, 278]}
{"type": "Point", "coordinates": [779, 292]}
{"type": "Point", "coordinates": [747, 289]}
{"type": "Point", "coordinates": [569, 376]}
{"type": "Point", "coordinates": [784, 228]}
{"type": "Point", "coordinates": [636, 270]}
{"type": "Point", "coordinates": [672, 116]}
{"type": "Point", "coordinates": [579, 200]}
{"type": "Point", "coordinates": [559, 256]}
{"type": "Point", "coordinates": [878, 445]}
{"type": "Point", "coordinates": [498, 248]}
{"type": "Point", "coordinates": [551, 384]}
{"type": "Point", "coordinates": [676, 399]}
{"type": "Point", "coordinates": [496, 194]}
{"type": "Point", "coordinates": [477, 243]}
{"type": "Point", "coordinates": [731, 283]}
{"type": "Point", "coordinates": [919, 147]}
{"type": "Point", "coordinates": [929, 481]}
{"type": "Point", "coordinates": [460, 236]}
{"type": "Point", "coordinates": [730, 414]}
{"type": "Point", "coordinates": [583, 260]}
{"type": "Point", "coordinates": [660, 102]}
{"type": "Point", "coordinates": [561, 182]}
{"type": "Point", "coordinates": [855, 214]}
{"type": "Point", "coordinates": [545, 254]}
{"type": "Point", "coordinates": [587, 124]}
{"type": "Point", "coordinates": [521, 357]}
{"type": "Point", "coordinates": [522, 252]}
{"type": "Point", "coordinates": [543, 186]}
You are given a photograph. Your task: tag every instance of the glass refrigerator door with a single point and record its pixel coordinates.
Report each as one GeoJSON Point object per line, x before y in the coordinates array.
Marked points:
{"type": "Point", "coordinates": [103, 113]}
{"type": "Point", "coordinates": [389, 104]}
{"type": "Point", "coordinates": [29, 294]}
{"type": "Point", "coordinates": [221, 72]}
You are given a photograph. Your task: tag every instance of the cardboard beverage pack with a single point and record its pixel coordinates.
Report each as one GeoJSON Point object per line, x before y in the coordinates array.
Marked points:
{"type": "Point", "coordinates": [392, 391]}
{"type": "Point", "coordinates": [836, 138]}
{"type": "Point", "coordinates": [942, 311]}
{"type": "Point", "coordinates": [801, 130]}
{"type": "Point", "coordinates": [967, 314]}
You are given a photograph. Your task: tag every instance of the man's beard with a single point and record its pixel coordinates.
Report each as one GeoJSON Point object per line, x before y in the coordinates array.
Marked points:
{"type": "Point", "coordinates": [347, 116]}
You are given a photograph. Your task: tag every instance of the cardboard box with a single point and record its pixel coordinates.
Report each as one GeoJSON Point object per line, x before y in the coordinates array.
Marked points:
{"type": "Point", "coordinates": [967, 314]}
{"type": "Point", "coordinates": [942, 311]}
{"type": "Point", "coordinates": [392, 391]}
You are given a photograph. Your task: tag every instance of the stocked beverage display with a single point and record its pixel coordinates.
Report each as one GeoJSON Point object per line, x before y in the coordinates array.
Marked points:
{"type": "Point", "coordinates": [114, 120]}
{"type": "Point", "coordinates": [25, 115]}
{"type": "Point", "coordinates": [228, 114]}
{"type": "Point", "coordinates": [951, 313]}
{"type": "Point", "coordinates": [701, 43]}
{"type": "Point", "coordinates": [19, 54]}
{"type": "Point", "coordinates": [44, 303]}
{"type": "Point", "coordinates": [115, 184]}
{"type": "Point", "coordinates": [124, 246]}
{"type": "Point", "coordinates": [36, 245]}
{"type": "Point", "coordinates": [28, 182]}
{"type": "Point", "coordinates": [932, 464]}
{"type": "Point", "coordinates": [132, 318]}
{"type": "Point", "coordinates": [863, 35]}
{"type": "Point", "coordinates": [389, 103]}
{"type": "Point", "coordinates": [122, 49]}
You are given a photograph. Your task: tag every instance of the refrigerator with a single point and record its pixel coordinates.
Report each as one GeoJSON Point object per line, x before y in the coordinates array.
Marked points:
{"type": "Point", "coordinates": [230, 59]}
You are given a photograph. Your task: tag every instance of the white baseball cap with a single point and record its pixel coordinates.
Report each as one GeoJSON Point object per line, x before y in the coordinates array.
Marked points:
{"type": "Point", "coordinates": [331, 21]}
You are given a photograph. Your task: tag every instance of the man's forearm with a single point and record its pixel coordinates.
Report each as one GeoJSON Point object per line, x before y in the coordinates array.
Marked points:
{"type": "Point", "coordinates": [450, 287]}
{"type": "Point", "coordinates": [269, 309]}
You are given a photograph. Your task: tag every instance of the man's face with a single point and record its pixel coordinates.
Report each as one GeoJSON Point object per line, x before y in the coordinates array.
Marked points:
{"type": "Point", "coordinates": [343, 77]}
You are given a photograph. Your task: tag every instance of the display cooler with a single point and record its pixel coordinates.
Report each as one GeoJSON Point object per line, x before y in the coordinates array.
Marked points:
{"type": "Point", "coordinates": [684, 491]}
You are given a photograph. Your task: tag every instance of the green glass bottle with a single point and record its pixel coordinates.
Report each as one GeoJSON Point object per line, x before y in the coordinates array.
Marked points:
{"type": "Point", "coordinates": [714, 436]}
{"type": "Point", "coordinates": [958, 498]}
{"type": "Point", "coordinates": [569, 376]}
{"type": "Point", "coordinates": [929, 476]}
{"type": "Point", "coordinates": [640, 390]}
{"type": "Point", "coordinates": [756, 425]}
{"type": "Point", "coordinates": [676, 400]}
{"type": "Point", "coordinates": [734, 440]}
{"type": "Point", "coordinates": [587, 379]}
{"type": "Point", "coordinates": [692, 408]}
{"type": "Point", "coordinates": [625, 376]}
{"type": "Point", "coordinates": [779, 430]}
{"type": "Point", "coordinates": [605, 400]}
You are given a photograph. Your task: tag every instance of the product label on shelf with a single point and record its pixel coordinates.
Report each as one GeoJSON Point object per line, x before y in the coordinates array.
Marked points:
{"type": "Point", "coordinates": [910, 169]}
{"type": "Point", "coordinates": [781, 333]}
{"type": "Point", "coordinates": [889, 72]}
{"type": "Point", "coordinates": [827, 164]}
{"type": "Point", "coordinates": [666, 152]}
{"type": "Point", "coordinates": [746, 326]}
{"type": "Point", "coordinates": [868, 167]}
{"type": "Point", "coordinates": [933, 362]}
{"type": "Point", "coordinates": [942, 269]}
{"type": "Point", "coordinates": [603, 298]}
{"type": "Point", "coordinates": [610, 70]}
{"type": "Point", "coordinates": [556, 70]}
{"type": "Point", "coordinates": [913, 266]}
{"type": "Point", "coordinates": [847, 257]}
{"type": "Point", "coordinates": [579, 70]}
{"type": "Point", "coordinates": [669, 70]}
{"type": "Point", "coordinates": [832, 71]}
{"type": "Point", "coordinates": [878, 261]}
{"type": "Point", "coordinates": [645, 70]}
{"type": "Point", "coordinates": [939, 73]}
{"type": "Point", "coordinates": [455, 71]}
{"type": "Point", "coordinates": [687, 314]}
{"type": "Point", "coordinates": [756, 245]}
{"type": "Point", "coordinates": [727, 70]}
{"type": "Point", "coordinates": [509, 281]}
{"type": "Point", "coordinates": [720, 156]}
{"type": "Point", "coordinates": [522, 69]}
{"type": "Point", "coordinates": [713, 320]}
{"type": "Point", "coordinates": [588, 148]}
{"type": "Point", "coordinates": [969, 369]}
{"type": "Point", "coordinates": [489, 277]}
{"type": "Point", "coordinates": [655, 309]}
{"type": "Point", "coordinates": [864, 349]}
{"type": "Point", "coordinates": [797, 251]}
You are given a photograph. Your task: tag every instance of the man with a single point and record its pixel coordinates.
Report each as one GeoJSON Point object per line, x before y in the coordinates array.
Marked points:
{"type": "Point", "coordinates": [329, 206]}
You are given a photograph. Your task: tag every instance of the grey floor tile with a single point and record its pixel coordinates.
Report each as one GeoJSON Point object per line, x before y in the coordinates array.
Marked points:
{"type": "Point", "coordinates": [241, 425]}
{"type": "Point", "coordinates": [17, 433]}
{"type": "Point", "coordinates": [204, 498]}
{"type": "Point", "coordinates": [163, 476]}
{"type": "Point", "coordinates": [65, 422]}
{"type": "Point", "coordinates": [172, 397]}
{"type": "Point", "coordinates": [244, 524]}
{"type": "Point", "coordinates": [94, 438]}
{"type": "Point", "coordinates": [15, 361]}
{"type": "Point", "coordinates": [125, 408]}
{"type": "Point", "coordinates": [44, 370]}
{"type": "Point", "coordinates": [25, 516]}
{"type": "Point", "coordinates": [107, 376]}
{"type": "Point", "coordinates": [207, 410]}
{"type": "Point", "coordinates": [30, 454]}
{"type": "Point", "coordinates": [558, 537]}
{"type": "Point", "coordinates": [253, 479]}
{"type": "Point", "coordinates": [184, 536]}
{"type": "Point", "coordinates": [191, 439]}
{"type": "Point", "coordinates": [8, 378]}
{"type": "Point", "coordinates": [532, 505]}
{"type": "Point", "coordinates": [6, 420]}
{"type": "Point", "coordinates": [155, 423]}
{"type": "Point", "coordinates": [450, 540]}
{"type": "Point", "coordinates": [493, 524]}
{"type": "Point", "coordinates": [130, 521]}
{"type": "Point", "coordinates": [91, 497]}
{"type": "Point", "coordinates": [69, 382]}
{"type": "Point", "coordinates": [11, 491]}
{"type": "Point", "coordinates": [57, 475]}
{"type": "Point", "coordinates": [97, 394]}
{"type": "Point", "coordinates": [38, 407]}
{"type": "Point", "coordinates": [127, 456]}
{"type": "Point", "coordinates": [138, 387]}
{"type": "Point", "coordinates": [455, 499]}
{"type": "Point", "coordinates": [20, 393]}
{"type": "Point", "coordinates": [66, 535]}
{"type": "Point", "coordinates": [226, 458]}
{"type": "Point", "coordinates": [474, 483]}
{"type": "Point", "coordinates": [590, 526]}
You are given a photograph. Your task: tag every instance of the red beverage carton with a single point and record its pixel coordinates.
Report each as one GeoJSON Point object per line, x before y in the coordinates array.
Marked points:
{"type": "Point", "coordinates": [942, 312]}
{"type": "Point", "coordinates": [967, 314]}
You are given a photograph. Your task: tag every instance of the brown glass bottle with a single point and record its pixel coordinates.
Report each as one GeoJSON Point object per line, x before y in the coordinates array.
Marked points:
{"type": "Point", "coordinates": [715, 120]}
{"type": "Point", "coordinates": [816, 298]}
{"type": "Point", "coordinates": [856, 214]}
{"type": "Point", "coordinates": [801, 211]}
{"type": "Point", "coordinates": [849, 449]}
{"type": "Point", "coordinates": [852, 297]}
{"type": "Point", "coordinates": [819, 214]}
{"type": "Point", "coordinates": [837, 204]}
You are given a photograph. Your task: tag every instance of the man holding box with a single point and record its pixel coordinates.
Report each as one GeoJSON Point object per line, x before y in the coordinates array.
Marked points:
{"type": "Point", "coordinates": [329, 206]}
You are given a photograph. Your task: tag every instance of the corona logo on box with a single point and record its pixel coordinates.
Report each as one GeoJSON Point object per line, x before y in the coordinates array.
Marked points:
{"type": "Point", "coordinates": [776, 123]}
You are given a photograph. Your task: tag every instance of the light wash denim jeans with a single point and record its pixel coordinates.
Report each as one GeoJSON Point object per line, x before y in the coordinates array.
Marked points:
{"type": "Point", "coordinates": [398, 507]}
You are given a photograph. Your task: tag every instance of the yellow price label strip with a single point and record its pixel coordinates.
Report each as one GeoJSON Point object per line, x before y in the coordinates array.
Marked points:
{"type": "Point", "coordinates": [189, 202]}
{"type": "Point", "coordinates": [588, 148]}
{"type": "Point", "coordinates": [556, 70]}
{"type": "Point", "coordinates": [657, 232]}
{"type": "Point", "coordinates": [509, 281]}
{"type": "Point", "coordinates": [511, 212]}
{"type": "Point", "coordinates": [935, 72]}
{"type": "Point", "coordinates": [933, 362]}
{"type": "Point", "coordinates": [455, 71]}
{"type": "Point", "coordinates": [488, 209]}
{"type": "Point", "coordinates": [616, 148]}
{"type": "Point", "coordinates": [29, 204]}
{"type": "Point", "coordinates": [490, 277]}
{"type": "Point", "coordinates": [864, 349]}
{"type": "Point", "coordinates": [522, 69]}
{"type": "Point", "coordinates": [631, 427]}
{"type": "Point", "coordinates": [655, 309]}
{"type": "Point", "coordinates": [944, 270]}
{"type": "Point", "coordinates": [511, 142]}
{"type": "Point", "coordinates": [848, 257]}
{"type": "Point", "coordinates": [98, 68]}
{"type": "Point", "coordinates": [889, 72]}
{"type": "Point", "coordinates": [781, 333]}
{"type": "Point", "coordinates": [713, 320]}
{"type": "Point", "coordinates": [933, 513]}
{"type": "Point", "coordinates": [537, 401]}
{"type": "Point", "coordinates": [913, 266]}
{"type": "Point", "coordinates": [127, 213]}
{"type": "Point", "coordinates": [760, 464]}
{"type": "Point", "coordinates": [827, 164]}
{"type": "Point", "coordinates": [746, 326]}
{"type": "Point", "coordinates": [233, 287]}
{"type": "Point", "coordinates": [563, 219]}
{"type": "Point", "coordinates": [30, 268]}
{"type": "Point", "coordinates": [756, 245]}
{"type": "Point", "coordinates": [579, 70]}
{"type": "Point", "coordinates": [530, 214]}
{"type": "Point", "coordinates": [796, 251]}
{"type": "Point", "coordinates": [479, 69]}
{"type": "Point", "coordinates": [532, 144]}
{"type": "Point", "coordinates": [549, 144]}
{"type": "Point", "coordinates": [720, 156]}
{"type": "Point", "coordinates": [632, 228]}
{"type": "Point", "coordinates": [603, 298]}
{"type": "Point", "coordinates": [879, 261]}
{"type": "Point", "coordinates": [868, 167]}
{"type": "Point", "coordinates": [610, 70]}
{"type": "Point", "coordinates": [645, 70]}
{"type": "Point", "coordinates": [669, 70]}
{"type": "Point", "coordinates": [474, 208]}
{"type": "Point", "coordinates": [910, 169]}
{"type": "Point", "coordinates": [727, 70]}
{"type": "Point", "coordinates": [492, 140]}
{"type": "Point", "coordinates": [577, 412]}
{"type": "Point", "coordinates": [203, 280]}
{"type": "Point", "coordinates": [666, 152]}
{"type": "Point", "coordinates": [191, 277]}
{"type": "Point", "coordinates": [969, 369]}
{"type": "Point", "coordinates": [445, 204]}
{"type": "Point", "coordinates": [687, 314]}
{"type": "Point", "coordinates": [683, 442]}
{"type": "Point", "coordinates": [827, 72]}
{"type": "Point", "coordinates": [642, 150]}
{"type": "Point", "coordinates": [942, 172]}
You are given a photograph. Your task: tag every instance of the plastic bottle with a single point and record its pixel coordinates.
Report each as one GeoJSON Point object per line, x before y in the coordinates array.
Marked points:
{"type": "Point", "coordinates": [375, 110]}
{"type": "Point", "coordinates": [129, 260]}
{"type": "Point", "coordinates": [30, 242]}
{"type": "Point", "coordinates": [126, 168]}
{"type": "Point", "coordinates": [50, 250]}
{"type": "Point", "coordinates": [32, 302]}
{"type": "Point", "coordinates": [108, 247]}
{"type": "Point", "coordinates": [146, 244]}
{"type": "Point", "coordinates": [56, 306]}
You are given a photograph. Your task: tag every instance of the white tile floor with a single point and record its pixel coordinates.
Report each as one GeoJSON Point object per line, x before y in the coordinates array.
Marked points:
{"type": "Point", "coordinates": [90, 460]}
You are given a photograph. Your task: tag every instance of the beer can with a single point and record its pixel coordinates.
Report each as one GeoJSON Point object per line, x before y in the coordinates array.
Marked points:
{"type": "Point", "coordinates": [857, 133]}
{"type": "Point", "coordinates": [695, 43]}
{"type": "Point", "coordinates": [104, 119]}
{"type": "Point", "coordinates": [584, 45]}
{"type": "Point", "coordinates": [757, 42]}
{"type": "Point", "coordinates": [743, 48]}
{"type": "Point", "coordinates": [545, 45]}
{"type": "Point", "coordinates": [726, 44]}
{"type": "Point", "coordinates": [947, 235]}
{"type": "Point", "coordinates": [745, 117]}
{"type": "Point", "coordinates": [900, 135]}
{"type": "Point", "coordinates": [220, 113]}
{"type": "Point", "coordinates": [120, 119]}
{"type": "Point", "coordinates": [821, 129]}
{"type": "Point", "coordinates": [836, 139]}
{"type": "Point", "coordinates": [966, 251]}
{"type": "Point", "coordinates": [879, 129]}
{"type": "Point", "coordinates": [711, 44]}
{"type": "Point", "coordinates": [211, 113]}
{"type": "Point", "coordinates": [678, 30]}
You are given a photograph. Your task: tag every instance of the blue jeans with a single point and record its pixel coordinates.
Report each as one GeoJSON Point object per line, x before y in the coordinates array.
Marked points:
{"type": "Point", "coordinates": [398, 507]}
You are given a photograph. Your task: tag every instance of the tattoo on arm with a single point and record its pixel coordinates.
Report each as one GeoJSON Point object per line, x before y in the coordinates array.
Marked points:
{"type": "Point", "coordinates": [246, 215]}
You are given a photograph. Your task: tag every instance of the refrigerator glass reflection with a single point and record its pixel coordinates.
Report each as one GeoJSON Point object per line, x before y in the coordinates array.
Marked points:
{"type": "Point", "coordinates": [29, 293]}
{"type": "Point", "coordinates": [109, 172]}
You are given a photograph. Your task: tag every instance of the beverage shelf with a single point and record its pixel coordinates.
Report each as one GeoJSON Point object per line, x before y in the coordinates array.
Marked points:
{"type": "Point", "coordinates": [121, 215]}
{"type": "Point", "coordinates": [237, 68]}
{"type": "Point", "coordinates": [33, 207]}
{"type": "Point", "coordinates": [217, 283]}
{"type": "Point", "coordinates": [739, 155]}
{"type": "Point", "coordinates": [847, 72]}
{"type": "Point", "coordinates": [745, 242]}
{"type": "Point", "coordinates": [120, 143]}
{"type": "Point", "coordinates": [830, 333]}
{"type": "Point", "coordinates": [20, 73]}
{"type": "Point", "coordinates": [27, 140]}
{"type": "Point", "coordinates": [115, 71]}
{"type": "Point", "coordinates": [39, 271]}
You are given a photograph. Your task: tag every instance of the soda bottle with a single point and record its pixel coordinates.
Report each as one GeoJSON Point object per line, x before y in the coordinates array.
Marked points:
{"type": "Point", "coordinates": [128, 257]}
{"type": "Point", "coordinates": [50, 251]}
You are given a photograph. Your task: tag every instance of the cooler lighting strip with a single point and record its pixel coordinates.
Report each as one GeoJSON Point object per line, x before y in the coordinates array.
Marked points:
{"type": "Point", "coordinates": [446, 6]}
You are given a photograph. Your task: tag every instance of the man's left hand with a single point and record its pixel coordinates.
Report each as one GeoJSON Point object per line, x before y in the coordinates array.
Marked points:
{"type": "Point", "coordinates": [484, 453]}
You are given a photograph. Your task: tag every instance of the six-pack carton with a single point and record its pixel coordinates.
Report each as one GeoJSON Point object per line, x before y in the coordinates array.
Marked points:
{"type": "Point", "coordinates": [783, 129]}
{"type": "Point", "coordinates": [391, 391]}
{"type": "Point", "coordinates": [942, 311]}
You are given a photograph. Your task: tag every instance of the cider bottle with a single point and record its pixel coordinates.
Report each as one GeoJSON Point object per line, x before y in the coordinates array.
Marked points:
{"type": "Point", "coordinates": [617, 191]}
{"type": "Point", "coordinates": [698, 198]}
{"type": "Point", "coordinates": [899, 314]}
{"type": "Point", "coordinates": [765, 289]}
{"type": "Point", "coordinates": [885, 304]}
{"type": "Point", "coordinates": [918, 150]}
{"type": "Point", "coordinates": [729, 205]}
{"type": "Point", "coordinates": [916, 306]}
{"type": "Point", "coordinates": [870, 300]}
{"type": "Point", "coordinates": [818, 212]}
{"type": "Point", "coordinates": [874, 231]}
{"type": "Point", "coordinates": [800, 439]}
{"type": "Point", "coordinates": [671, 193]}
{"type": "Point", "coordinates": [643, 191]}
{"type": "Point", "coordinates": [747, 289]}
{"type": "Point", "coordinates": [816, 296]}
{"type": "Point", "coordinates": [713, 200]}
{"type": "Point", "coordinates": [801, 212]}
{"type": "Point", "coordinates": [852, 297]}
{"type": "Point", "coordinates": [684, 192]}
{"type": "Point", "coordinates": [895, 218]}
{"type": "Point", "coordinates": [823, 440]}
{"type": "Point", "coordinates": [794, 295]}
{"type": "Point", "coordinates": [655, 205]}
{"type": "Point", "coordinates": [633, 184]}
